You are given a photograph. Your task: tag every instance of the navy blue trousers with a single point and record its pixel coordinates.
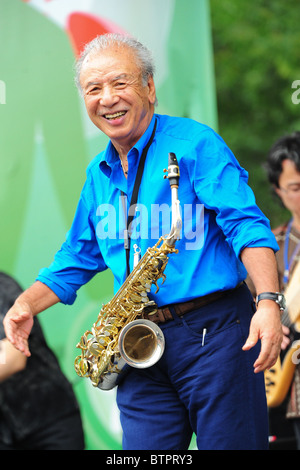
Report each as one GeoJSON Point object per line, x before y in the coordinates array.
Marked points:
{"type": "Point", "coordinates": [202, 386]}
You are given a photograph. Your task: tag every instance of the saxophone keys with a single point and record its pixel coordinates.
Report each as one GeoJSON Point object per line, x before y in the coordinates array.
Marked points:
{"type": "Point", "coordinates": [103, 340]}
{"type": "Point", "coordinates": [81, 366]}
{"type": "Point", "coordinates": [144, 297]}
{"type": "Point", "coordinates": [95, 349]}
{"type": "Point", "coordinates": [138, 288]}
{"type": "Point", "coordinates": [94, 376]}
{"type": "Point", "coordinates": [135, 297]}
{"type": "Point", "coordinates": [153, 312]}
{"type": "Point", "coordinates": [110, 330]}
{"type": "Point", "coordinates": [146, 284]}
{"type": "Point", "coordinates": [150, 308]}
{"type": "Point", "coordinates": [112, 322]}
{"type": "Point", "coordinates": [83, 341]}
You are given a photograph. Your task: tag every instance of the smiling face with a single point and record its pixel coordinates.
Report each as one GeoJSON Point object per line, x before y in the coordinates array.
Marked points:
{"type": "Point", "coordinates": [116, 99]}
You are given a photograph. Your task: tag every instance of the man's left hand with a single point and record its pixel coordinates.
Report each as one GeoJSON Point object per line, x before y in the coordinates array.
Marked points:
{"type": "Point", "coordinates": [265, 326]}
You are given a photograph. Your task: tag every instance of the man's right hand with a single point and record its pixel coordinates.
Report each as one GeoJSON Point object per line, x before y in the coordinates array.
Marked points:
{"type": "Point", "coordinates": [18, 323]}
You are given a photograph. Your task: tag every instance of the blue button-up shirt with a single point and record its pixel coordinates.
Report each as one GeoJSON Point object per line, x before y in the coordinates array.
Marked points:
{"type": "Point", "coordinates": [218, 210]}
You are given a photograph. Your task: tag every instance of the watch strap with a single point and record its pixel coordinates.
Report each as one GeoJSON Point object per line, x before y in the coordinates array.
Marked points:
{"type": "Point", "coordinates": [275, 296]}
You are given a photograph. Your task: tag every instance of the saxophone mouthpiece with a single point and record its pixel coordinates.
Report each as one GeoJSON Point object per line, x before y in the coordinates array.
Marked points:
{"type": "Point", "coordinates": [173, 170]}
{"type": "Point", "coordinates": [173, 177]}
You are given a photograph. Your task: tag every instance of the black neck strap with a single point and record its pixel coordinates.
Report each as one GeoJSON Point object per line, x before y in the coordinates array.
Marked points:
{"type": "Point", "coordinates": [134, 197]}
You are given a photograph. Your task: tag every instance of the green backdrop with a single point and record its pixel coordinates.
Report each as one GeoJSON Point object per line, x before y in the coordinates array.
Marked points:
{"type": "Point", "coordinates": [46, 142]}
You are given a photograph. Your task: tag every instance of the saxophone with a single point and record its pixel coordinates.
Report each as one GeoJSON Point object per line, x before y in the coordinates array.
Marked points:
{"type": "Point", "coordinates": [121, 337]}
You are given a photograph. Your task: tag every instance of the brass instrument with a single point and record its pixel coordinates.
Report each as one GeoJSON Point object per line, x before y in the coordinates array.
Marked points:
{"type": "Point", "coordinates": [121, 337]}
{"type": "Point", "coordinates": [279, 378]}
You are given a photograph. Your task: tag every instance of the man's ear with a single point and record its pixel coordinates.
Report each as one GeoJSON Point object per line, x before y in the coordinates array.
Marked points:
{"type": "Point", "coordinates": [152, 90]}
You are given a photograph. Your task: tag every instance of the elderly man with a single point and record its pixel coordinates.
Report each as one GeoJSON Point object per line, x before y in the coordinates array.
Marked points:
{"type": "Point", "coordinates": [209, 379]}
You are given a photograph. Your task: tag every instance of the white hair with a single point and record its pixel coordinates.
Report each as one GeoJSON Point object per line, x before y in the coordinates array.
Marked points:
{"type": "Point", "coordinates": [105, 41]}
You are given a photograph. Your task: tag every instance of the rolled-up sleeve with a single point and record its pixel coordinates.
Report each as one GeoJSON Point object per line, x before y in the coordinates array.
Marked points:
{"type": "Point", "coordinates": [79, 257]}
{"type": "Point", "coordinates": [222, 186]}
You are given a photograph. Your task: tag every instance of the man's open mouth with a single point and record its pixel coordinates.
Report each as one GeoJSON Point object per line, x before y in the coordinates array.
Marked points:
{"type": "Point", "coordinates": [115, 115]}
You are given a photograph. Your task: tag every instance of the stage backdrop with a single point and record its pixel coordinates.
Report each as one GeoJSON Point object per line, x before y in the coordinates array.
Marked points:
{"type": "Point", "coordinates": [46, 142]}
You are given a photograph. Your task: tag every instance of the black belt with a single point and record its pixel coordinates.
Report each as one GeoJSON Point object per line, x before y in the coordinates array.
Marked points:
{"type": "Point", "coordinates": [164, 314]}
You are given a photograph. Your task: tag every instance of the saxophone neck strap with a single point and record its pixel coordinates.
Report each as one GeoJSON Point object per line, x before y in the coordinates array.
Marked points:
{"type": "Point", "coordinates": [134, 198]}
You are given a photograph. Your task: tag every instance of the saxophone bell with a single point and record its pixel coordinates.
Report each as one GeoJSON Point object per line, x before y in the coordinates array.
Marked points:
{"type": "Point", "coordinates": [141, 343]}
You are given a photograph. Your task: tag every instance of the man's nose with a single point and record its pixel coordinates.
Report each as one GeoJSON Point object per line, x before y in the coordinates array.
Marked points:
{"type": "Point", "coordinates": [108, 96]}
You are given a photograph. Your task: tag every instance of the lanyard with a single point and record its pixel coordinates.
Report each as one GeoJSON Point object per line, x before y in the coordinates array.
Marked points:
{"type": "Point", "coordinates": [288, 263]}
{"type": "Point", "coordinates": [134, 197]}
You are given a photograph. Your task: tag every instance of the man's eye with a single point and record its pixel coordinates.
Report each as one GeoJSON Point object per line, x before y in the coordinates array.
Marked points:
{"type": "Point", "coordinates": [93, 91]}
{"type": "Point", "coordinates": [120, 84]}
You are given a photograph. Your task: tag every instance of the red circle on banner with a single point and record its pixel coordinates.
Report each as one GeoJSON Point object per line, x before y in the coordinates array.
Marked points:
{"type": "Point", "coordinates": [83, 27]}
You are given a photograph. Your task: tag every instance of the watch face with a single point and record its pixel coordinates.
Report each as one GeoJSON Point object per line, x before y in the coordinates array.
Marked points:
{"type": "Point", "coordinates": [281, 301]}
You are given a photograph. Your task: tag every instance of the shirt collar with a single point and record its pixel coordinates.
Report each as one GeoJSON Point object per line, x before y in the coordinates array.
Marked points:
{"type": "Point", "coordinates": [110, 156]}
{"type": "Point", "coordinates": [142, 142]}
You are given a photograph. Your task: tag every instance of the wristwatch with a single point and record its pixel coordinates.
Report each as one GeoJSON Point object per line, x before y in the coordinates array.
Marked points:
{"type": "Point", "coordinates": [276, 296]}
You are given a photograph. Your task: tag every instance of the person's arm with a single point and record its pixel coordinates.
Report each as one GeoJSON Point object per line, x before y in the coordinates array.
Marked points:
{"type": "Point", "coordinates": [14, 360]}
{"type": "Point", "coordinates": [265, 325]}
{"type": "Point", "coordinates": [18, 321]}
